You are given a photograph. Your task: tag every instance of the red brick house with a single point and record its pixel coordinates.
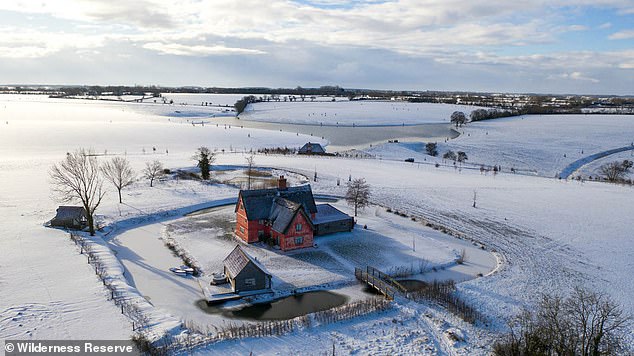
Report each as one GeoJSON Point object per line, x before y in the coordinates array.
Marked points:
{"type": "Point", "coordinates": [285, 216]}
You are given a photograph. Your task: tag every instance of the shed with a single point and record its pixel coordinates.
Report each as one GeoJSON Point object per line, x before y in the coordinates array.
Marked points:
{"type": "Point", "coordinates": [245, 273]}
{"type": "Point", "coordinates": [70, 217]}
{"type": "Point", "coordinates": [311, 149]}
{"type": "Point", "coordinates": [330, 220]}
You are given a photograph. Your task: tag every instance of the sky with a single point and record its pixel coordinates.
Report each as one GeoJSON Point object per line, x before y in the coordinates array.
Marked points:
{"type": "Point", "coordinates": [529, 46]}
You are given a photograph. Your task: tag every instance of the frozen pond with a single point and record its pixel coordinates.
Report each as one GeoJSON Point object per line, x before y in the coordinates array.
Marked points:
{"type": "Point", "coordinates": [281, 309]}
{"type": "Point", "coordinates": [344, 137]}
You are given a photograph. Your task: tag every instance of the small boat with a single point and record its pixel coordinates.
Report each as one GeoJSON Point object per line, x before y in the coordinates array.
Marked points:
{"type": "Point", "coordinates": [187, 269]}
{"type": "Point", "coordinates": [218, 278]}
{"type": "Point", "coordinates": [178, 271]}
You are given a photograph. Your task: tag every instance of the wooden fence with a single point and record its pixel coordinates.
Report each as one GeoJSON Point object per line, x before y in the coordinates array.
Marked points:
{"type": "Point", "coordinates": [371, 278]}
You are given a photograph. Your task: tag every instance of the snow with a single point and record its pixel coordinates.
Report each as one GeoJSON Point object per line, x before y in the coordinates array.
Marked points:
{"type": "Point", "coordinates": [347, 113]}
{"type": "Point", "coordinates": [548, 235]}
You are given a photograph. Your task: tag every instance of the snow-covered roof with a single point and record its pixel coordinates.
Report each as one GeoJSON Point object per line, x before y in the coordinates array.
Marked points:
{"type": "Point", "coordinates": [70, 213]}
{"type": "Point", "coordinates": [238, 259]}
{"type": "Point", "coordinates": [328, 213]}
{"type": "Point", "coordinates": [312, 148]}
{"type": "Point", "coordinates": [283, 211]}
{"type": "Point", "coordinates": [258, 202]}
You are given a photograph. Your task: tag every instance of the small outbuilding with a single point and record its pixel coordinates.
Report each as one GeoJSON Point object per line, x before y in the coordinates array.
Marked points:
{"type": "Point", "coordinates": [70, 217]}
{"type": "Point", "coordinates": [245, 273]}
{"type": "Point", "coordinates": [311, 149]}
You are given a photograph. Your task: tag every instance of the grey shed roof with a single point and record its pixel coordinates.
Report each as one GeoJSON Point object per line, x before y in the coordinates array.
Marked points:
{"type": "Point", "coordinates": [312, 148]}
{"type": "Point", "coordinates": [258, 202]}
{"type": "Point", "coordinates": [70, 213]}
{"type": "Point", "coordinates": [238, 259]}
{"type": "Point", "coordinates": [283, 212]}
{"type": "Point", "coordinates": [327, 213]}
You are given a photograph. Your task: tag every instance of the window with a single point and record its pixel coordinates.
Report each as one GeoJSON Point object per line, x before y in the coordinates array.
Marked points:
{"type": "Point", "coordinates": [249, 282]}
{"type": "Point", "coordinates": [241, 229]}
{"type": "Point", "coordinates": [298, 227]}
{"type": "Point", "coordinates": [261, 221]}
{"type": "Point", "coordinates": [299, 240]}
{"type": "Point", "coordinates": [260, 234]}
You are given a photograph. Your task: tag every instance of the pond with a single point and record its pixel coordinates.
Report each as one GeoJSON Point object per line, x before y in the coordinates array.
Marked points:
{"type": "Point", "coordinates": [281, 309]}
{"type": "Point", "coordinates": [348, 136]}
{"type": "Point", "coordinates": [412, 284]}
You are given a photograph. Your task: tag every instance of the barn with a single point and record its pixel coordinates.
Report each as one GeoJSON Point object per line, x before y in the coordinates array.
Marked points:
{"type": "Point", "coordinates": [312, 149]}
{"type": "Point", "coordinates": [245, 273]}
{"type": "Point", "coordinates": [70, 217]}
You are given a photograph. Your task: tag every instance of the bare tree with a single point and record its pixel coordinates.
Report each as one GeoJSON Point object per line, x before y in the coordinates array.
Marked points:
{"type": "Point", "coordinates": [432, 148]}
{"type": "Point", "coordinates": [358, 194]}
{"type": "Point", "coordinates": [615, 171]}
{"type": "Point", "coordinates": [585, 323]}
{"type": "Point", "coordinates": [250, 162]}
{"type": "Point", "coordinates": [119, 173]}
{"type": "Point", "coordinates": [153, 170]}
{"type": "Point", "coordinates": [450, 155]}
{"type": "Point", "coordinates": [77, 179]}
{"type": "Point", "coordinates": [462, 156]}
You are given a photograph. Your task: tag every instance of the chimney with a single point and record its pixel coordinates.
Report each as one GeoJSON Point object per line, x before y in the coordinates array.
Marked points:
{"type": "Point", "coordinates": [281, 183]}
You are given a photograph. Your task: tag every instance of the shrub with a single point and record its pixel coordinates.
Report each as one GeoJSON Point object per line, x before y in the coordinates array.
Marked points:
{"type": "Point", "coordinates": [585, 323]}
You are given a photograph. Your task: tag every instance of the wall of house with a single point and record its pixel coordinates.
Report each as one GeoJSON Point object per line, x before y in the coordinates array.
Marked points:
{"type": "Point", "coordinates": [246, 230]}
{"type": "Point", "coordinates": [287, 241]}
{"type": "Point", "coordinates": [250, 271]}
{"type": "Point", "coordinates": [332, 227]}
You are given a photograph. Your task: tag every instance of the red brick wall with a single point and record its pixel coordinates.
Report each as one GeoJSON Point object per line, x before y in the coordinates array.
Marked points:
{"type": "Point", "coordinates": [250, 228]}
{"type": "Point", "coordinates": [287, 242]}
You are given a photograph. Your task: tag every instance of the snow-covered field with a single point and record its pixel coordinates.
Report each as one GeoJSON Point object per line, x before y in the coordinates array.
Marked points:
{"type": "Point", "coordinates": [551, 235]}
{"type": "Point", "coordinates": [593, 169]}
{"type": "Point", "coordinates": [348, 113]}
{"type": "Point", "coordinates": [534, 144]}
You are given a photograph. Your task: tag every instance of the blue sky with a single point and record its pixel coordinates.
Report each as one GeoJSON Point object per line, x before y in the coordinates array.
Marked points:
{"type": "Point", "coordinates": [556, 46]}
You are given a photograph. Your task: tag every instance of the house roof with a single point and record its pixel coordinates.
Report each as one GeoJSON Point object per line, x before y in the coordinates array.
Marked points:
{"type": "Point", "coordinates": [327, 213]}
{"type": "Point", "coordinates": [258, 202]}
{"type": "Point", "coordinates": [237, 260]}
{"type": "Point", "coordinates": [70, 213]}
{"type": "Point", "coordinates": [312, 148]}
{"type": "Point", "coordinates": [283, 212]}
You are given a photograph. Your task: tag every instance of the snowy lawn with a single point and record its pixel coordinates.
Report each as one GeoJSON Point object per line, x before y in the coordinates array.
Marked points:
{"type": "Point", "coordinates": [387, 244]}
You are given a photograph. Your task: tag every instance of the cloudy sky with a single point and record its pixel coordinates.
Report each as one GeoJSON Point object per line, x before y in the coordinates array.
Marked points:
{"type": "Point", "coordinates": [545, 46]}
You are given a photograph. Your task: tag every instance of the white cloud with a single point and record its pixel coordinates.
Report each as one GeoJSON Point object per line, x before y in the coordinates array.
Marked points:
{"type": "Point", "coordinates": [622, 35]}
{"type": "Point", "coordinates": [197, 50]}
{"type": "Point", "coordinates": [27, 43]}
{"type": "Point", "coordinates": [497, 35]}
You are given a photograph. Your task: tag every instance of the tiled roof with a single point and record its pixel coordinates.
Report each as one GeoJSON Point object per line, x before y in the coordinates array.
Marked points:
{"type": "Point", "coordinates": [258, 202]}
{"type": "Point", "coordinates": [283, 212]}
{"type": "Point", "coordinates": [238, 259]}
{"type": "Point", "coordinates": [70, 212]}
